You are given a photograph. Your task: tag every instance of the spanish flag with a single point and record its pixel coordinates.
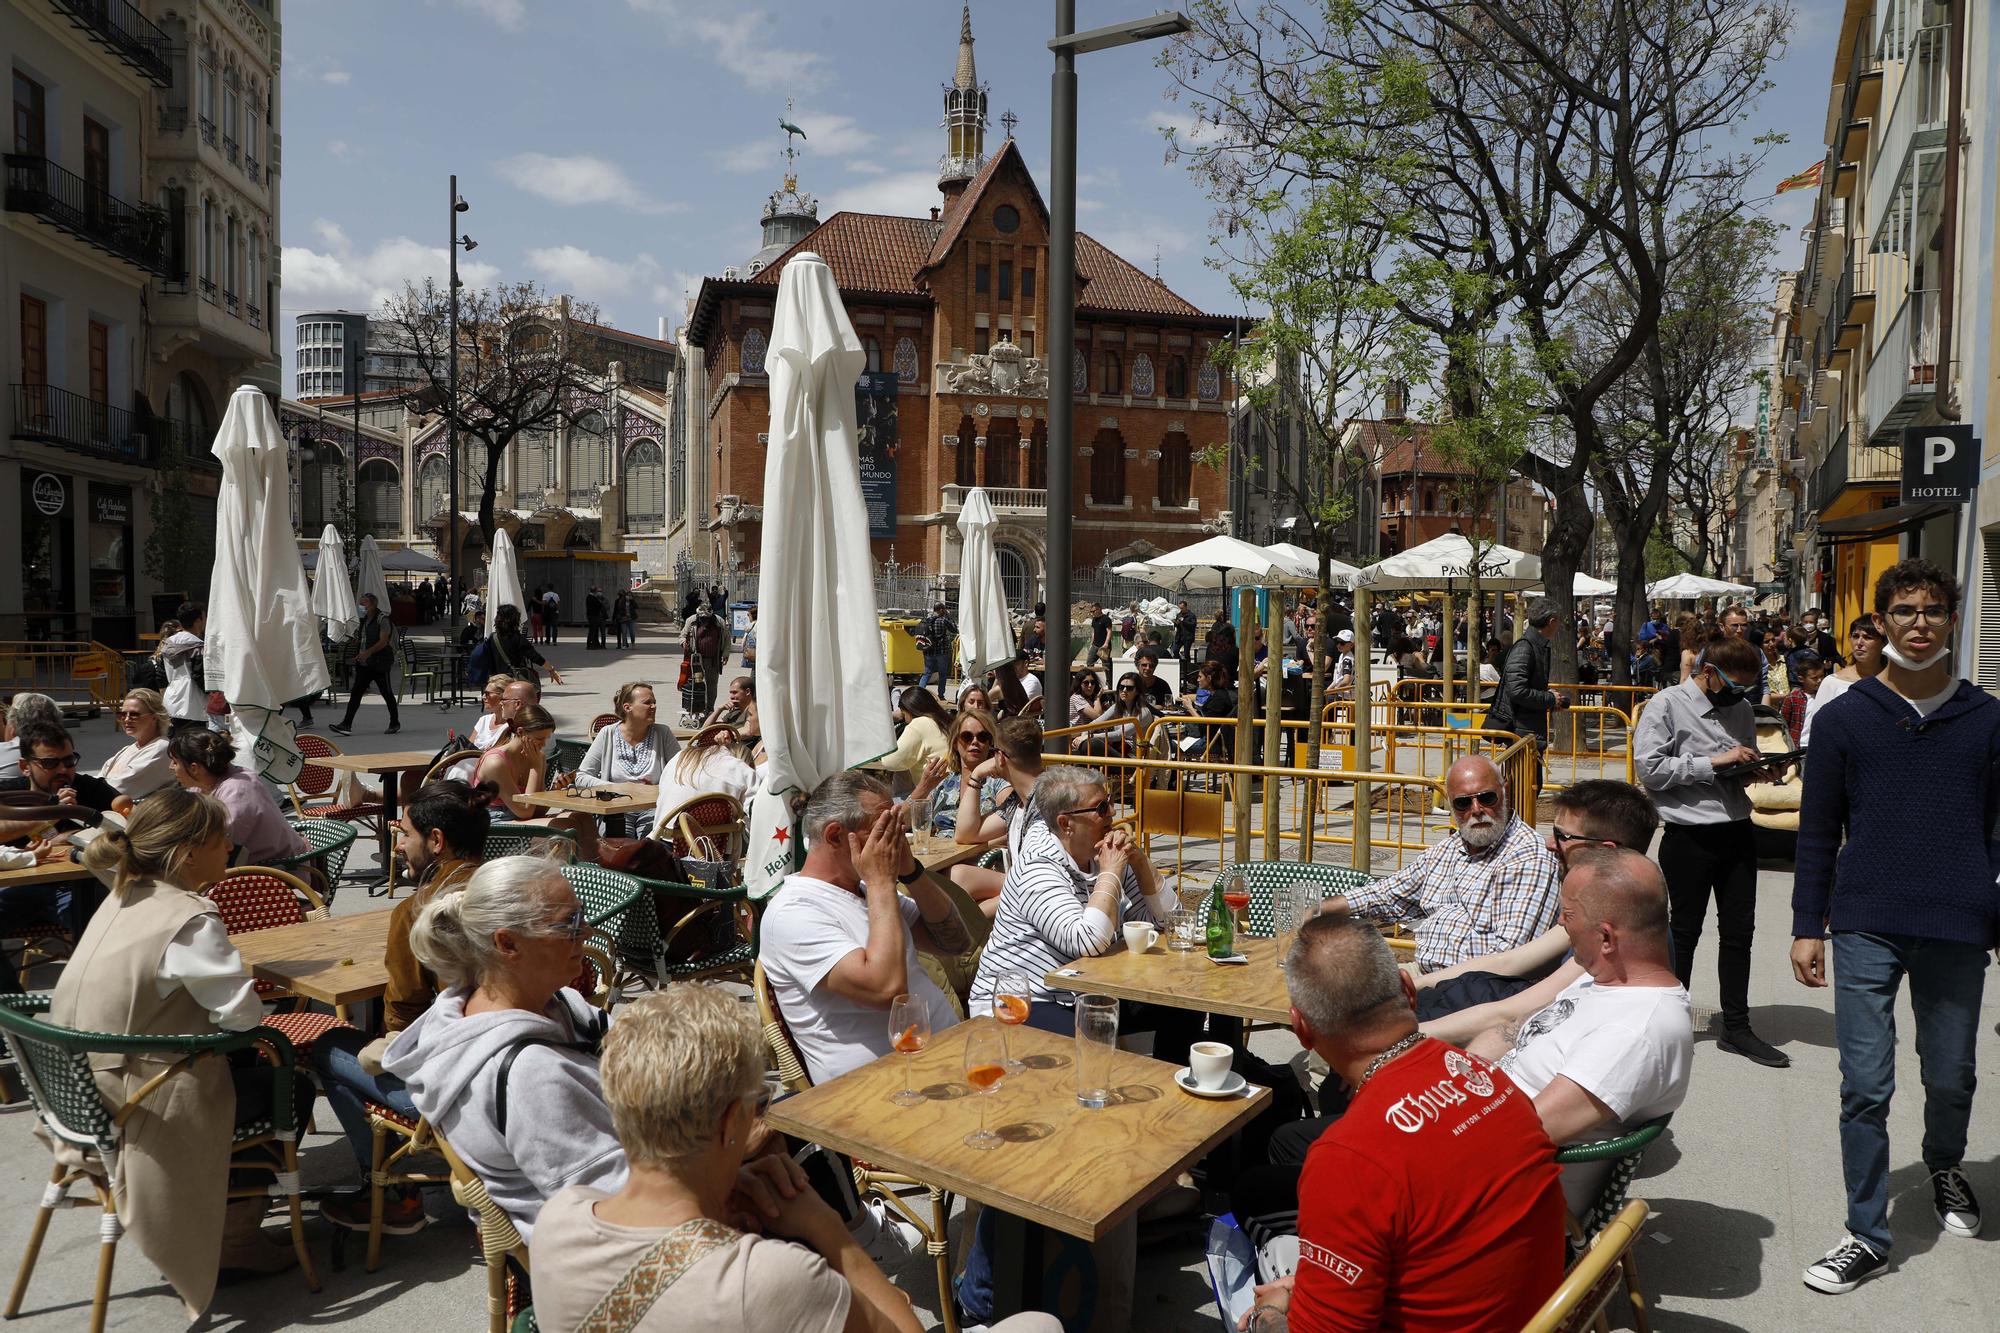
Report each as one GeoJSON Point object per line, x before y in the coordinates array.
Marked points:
{"type": "Point", "coordinates": [1806, 179]}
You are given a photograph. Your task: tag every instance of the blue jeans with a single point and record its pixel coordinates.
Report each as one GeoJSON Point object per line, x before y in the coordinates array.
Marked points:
{"type": "Point", "coordinates": [1946, 979]}
{"type": "Point", "coordinates": [936, 664]}
{"type": "Point", "coordinates": [347, 1085]}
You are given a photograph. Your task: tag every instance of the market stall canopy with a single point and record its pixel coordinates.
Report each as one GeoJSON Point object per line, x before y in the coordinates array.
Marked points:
{"type": "Point", "coordinates": [1445, 563]}
{"type": "Point", "coordinates": [1689, 587]}
{"type": "Point", "coordinates": [1219, 562]}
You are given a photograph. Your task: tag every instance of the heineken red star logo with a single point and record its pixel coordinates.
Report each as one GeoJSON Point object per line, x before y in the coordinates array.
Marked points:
{"type": "Point", "coordinates": [781, 835]}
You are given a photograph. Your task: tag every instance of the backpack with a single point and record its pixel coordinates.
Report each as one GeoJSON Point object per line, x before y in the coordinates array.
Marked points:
{"type": "Point", "coordinates": [146, 674]}
{"type": "Point", "coordinates": [708, 635]}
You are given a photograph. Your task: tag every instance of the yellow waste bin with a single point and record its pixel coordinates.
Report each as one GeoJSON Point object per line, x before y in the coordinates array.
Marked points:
{"type": "Point", "coordinates": [899, 648]}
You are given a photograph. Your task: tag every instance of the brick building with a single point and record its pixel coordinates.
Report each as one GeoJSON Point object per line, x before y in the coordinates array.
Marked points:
{"type": "Point", "coordinates": [1421, 492]}
{"type": "Point", "coordinates": [950, 305]}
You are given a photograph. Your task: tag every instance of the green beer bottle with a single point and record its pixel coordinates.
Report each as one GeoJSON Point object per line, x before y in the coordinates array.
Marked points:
{"type": "Point", "coordinates": [1221, 930]}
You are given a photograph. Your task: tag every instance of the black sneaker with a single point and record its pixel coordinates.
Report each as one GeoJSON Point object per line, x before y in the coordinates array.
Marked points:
{"type": "Point", "coordinates": [1845, 1267]}
{"type": "Point", "coordinates": [1957, 1209]}
{"type": "Point", "coordinates": [341, 729]}
{"type": "Point", "coordinates": [394, 727]}
{"type": "Point", "coordinates": [1744, 1042]}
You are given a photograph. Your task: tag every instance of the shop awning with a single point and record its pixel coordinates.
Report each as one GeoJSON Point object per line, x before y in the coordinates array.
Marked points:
{"type": "Point", "coordinates": [1876, 524]}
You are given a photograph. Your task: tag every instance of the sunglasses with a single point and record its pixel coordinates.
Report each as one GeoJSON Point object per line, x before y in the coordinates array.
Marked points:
{"type": "Point", "coordinates": [1102, 809]}
{"type": "Point", "coordinates": [980, 736]}
{"type": "Point", "coordinates": [125, 715]}
{"type": "Point", "coordinates": [51, 765]}
{"type": "Point", "coordinates": [1562, 837]}
{"type": "Point", "coordinates": [1488, 798]}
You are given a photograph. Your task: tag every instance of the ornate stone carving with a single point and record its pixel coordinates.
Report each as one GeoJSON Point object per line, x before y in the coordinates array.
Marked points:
{"type": "Point", "coordinates": [1142, 376]}
{"type": "Point", "coordinates": [1005, 369]}
{"type": "Point", "coordinates": [754, 346]}
{"type": "Point", "coordinates": [906, 360]}
{"type": "Point", "coordinates": [1079, 373]}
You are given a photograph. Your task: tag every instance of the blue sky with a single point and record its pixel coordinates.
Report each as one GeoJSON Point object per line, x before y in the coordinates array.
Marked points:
{"type": "Point", "coordinates": [620, 149]}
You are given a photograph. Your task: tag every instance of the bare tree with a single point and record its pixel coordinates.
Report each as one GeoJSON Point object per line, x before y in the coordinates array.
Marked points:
{"type": "Point", "coordinates": [1696, 521]}
{"type": "Point", "coordinates": [523, 367]}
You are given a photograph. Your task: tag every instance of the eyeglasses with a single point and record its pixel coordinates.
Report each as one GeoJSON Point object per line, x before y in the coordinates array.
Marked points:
{"type": "Point", "coordinates": [1127, 689]}
{"type": "Point", "coordinates": [51, 765]}
{"type": "Point", "coordinates": [1563, 837]}
{"type": "Point", "coordinates": [1102, 809]}
{"type": "Point", "coordinates": [570, 926]}
{"type": "Point", "coordinates": [132, 715]}
{"type": "Point", "coordinates": [1902, 617]}
{"type": "Point", "coordinates": [1488, 798]}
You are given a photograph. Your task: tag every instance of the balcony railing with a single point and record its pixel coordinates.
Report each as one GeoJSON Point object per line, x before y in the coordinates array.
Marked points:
{"type": "Point", "coordinates": [254, 315]}
{"type": "Point", "coordinates": [229, 302]}
{"type": "Point", "coordinates": [125, 32]}
{"type": "Point", "coordinates": [66, 200]}
{"type": "Point", "coordinates": [1904, 372]}
{"type": "Point", "coordinates": [1907, 156]}
{"type": "Point", "coordinates": [208, 131]}
{"type": "Point", "coordinates": [1853, 460]}
{"type": "Point", "coordinates": [229, 148]}
{"type": "Point", "coordinates": [57, 416]}
{"type": "Point", "coordinates": [208, 290]}
{"type": "Point", "coordinates": [252, 170]}
{"type": "Point", "coordinates": [1005, 499]}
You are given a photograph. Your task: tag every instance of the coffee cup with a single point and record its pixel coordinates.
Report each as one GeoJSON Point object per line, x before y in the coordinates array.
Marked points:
{"type": "Point", "coordinates": [1141, 935]}
{"type": "Point", "coordinates": [1210, 1061]}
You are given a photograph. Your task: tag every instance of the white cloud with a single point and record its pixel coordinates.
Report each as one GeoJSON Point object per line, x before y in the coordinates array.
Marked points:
{"type": "Point", "coordinates": [340, 78]}
{"type": "Point", "coordinates": [1135, 243]}
{"type": "Point", "coordinates": [1187, 130]}
{"type": "Point", "coordinates": [578, 181]}
{"type": "Point", "coordinates": [506, 14]}
{"type": "Point", "coordinates": [899, 193]}
{"type": "Point", "coordinates": [746, 43]}
{"type": "Point", "coordinates": [341, 150]}
{"type": "Point", "coordinates": [337, 275]}
{"type": "Point", "coordinates": [573, 269]}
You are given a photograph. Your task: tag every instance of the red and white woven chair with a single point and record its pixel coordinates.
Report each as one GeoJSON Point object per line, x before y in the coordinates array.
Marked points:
{"type": "Point", "coordinates": [253, 898]}
{"type": "Point", "coordinates": [316, 792]}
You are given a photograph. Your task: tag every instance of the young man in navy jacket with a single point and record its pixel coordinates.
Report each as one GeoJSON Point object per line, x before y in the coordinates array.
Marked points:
{"type": "Point", "coordinates": [1907, 765]}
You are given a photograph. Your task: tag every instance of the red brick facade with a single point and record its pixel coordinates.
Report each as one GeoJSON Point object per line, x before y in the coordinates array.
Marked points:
{"type": "Point", "coordinates": [927, 295]}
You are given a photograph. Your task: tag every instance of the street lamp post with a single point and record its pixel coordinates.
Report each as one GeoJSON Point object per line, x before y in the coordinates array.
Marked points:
{"type": "Point", "coordinates": [1068, 43]}
{"type": "Point", "coordinates": [458, 206]}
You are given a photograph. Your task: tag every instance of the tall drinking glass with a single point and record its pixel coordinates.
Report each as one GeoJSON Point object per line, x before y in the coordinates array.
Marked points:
{"type": "Point", "coordinates": [1012, 993]}
{"type": "Point", "coordinates": [1096, 1040]}
{"type": "Point", "coordinates": [909, 1032]}
{"type": "Point", "coordinates": [985, 1070]}
{"type": "Point", "coordinates": [1286, 904]}
{"type": "Point", "coordinates": [1188, 927]}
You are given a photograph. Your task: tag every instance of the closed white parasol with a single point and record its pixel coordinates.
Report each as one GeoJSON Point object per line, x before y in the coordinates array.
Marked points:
{"type": "Point", "coordinates": [503, 578]}
{"type": "Point", "coordinates": [985, 632]}
{"type": "Point", "coordinates": [370, 578]}
{"type": "Point", "coordinates": [332, 593]}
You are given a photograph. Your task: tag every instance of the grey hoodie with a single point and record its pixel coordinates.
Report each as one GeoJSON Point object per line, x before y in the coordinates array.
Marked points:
{"type": "Point", "coordinates": [558, 1127]}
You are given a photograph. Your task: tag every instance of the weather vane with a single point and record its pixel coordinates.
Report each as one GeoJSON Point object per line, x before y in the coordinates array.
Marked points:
{"type": "Point", "coordinates": [792, 134]}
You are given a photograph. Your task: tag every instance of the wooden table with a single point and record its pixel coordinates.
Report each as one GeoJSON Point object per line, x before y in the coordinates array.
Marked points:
{"type": "Point", "coordinates": [1253, 990]}
{"type": "Point", "coordinates": [337, 961]}
{"type": "Point", "coordinates": [627, 798]}
{"type": "Point", "coordinates": [1076, 1171]}
{"type": "Point", "coordinates": [390, 767]}
{"type": "Point", "coordinates": [55, 872]}
{"type": "Point", "coordinates": [942, 853]}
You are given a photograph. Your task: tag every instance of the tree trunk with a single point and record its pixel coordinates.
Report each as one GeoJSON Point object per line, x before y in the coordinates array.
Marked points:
{"type": "Point", "coordinates": [487, 487]}
{"type": "Point", "coordinates": [1562, 556]}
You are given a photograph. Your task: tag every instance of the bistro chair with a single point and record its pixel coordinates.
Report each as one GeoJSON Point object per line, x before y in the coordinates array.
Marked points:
{"type": "Point", "coordinates": [530, 840]}
{"type": "Point", "coordinates": [316, 791]}
{"type": "Point", "coordinates": [565, 756]}
{"type": "Point", "coordinates": [600, 722]}
{"type": "Point", "coordinates": [619, 909]}
{"type": "Point", "coordinates": [1263, 878]}
{"type": "Point", "coordinates": [500, 1242]}
{"type": "Point", "coordinates": [253, 898]}
{"type": "Point", "coordinates": [328, 842]}
{"type": "Point", "coordinates": [55, 1065]}
{"type": "Point", "coordinates": [1624, 1154]}
{"type": "Point", "coordinates": [1590, 1284]}
{"type": "Point", "coordinates": [885, 1185]}
{"type": "Point", "coordinates": [709, 827]}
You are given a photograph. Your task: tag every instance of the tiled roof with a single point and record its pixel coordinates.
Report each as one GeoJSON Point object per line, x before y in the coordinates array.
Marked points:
{"type": "Point", "coordinates": [1109, 283]}
{"type": "Point", "coordinates": [869, 252]}
{"type": "Point", "coordinates": [624, 334]}
{"type": "Point", "coordinates": [968, 202]}
{"type": "Point", "coordinates": [1396, 444]}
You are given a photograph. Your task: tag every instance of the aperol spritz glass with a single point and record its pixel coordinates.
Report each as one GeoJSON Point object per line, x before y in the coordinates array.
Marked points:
{"type": "Point", "coordinates": [985, 1071]}
{"type": "Point", "coordinates": [1012, 994]}
{"type": "Point", "coordinates": [909, 1032]}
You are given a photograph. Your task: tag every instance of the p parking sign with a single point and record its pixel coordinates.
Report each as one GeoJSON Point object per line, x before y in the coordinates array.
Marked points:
{"type": "Point", "coordinates": [1940, 464]}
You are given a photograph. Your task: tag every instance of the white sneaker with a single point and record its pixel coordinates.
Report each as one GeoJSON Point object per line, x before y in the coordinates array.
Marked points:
{"type": "Point", "coordinates": [887, 1236]}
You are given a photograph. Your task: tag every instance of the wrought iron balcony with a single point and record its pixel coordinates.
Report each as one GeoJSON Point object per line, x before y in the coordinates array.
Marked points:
{"type": "Point", "coordinates": [229, 148]}
{"type": "Point", "coordinates": [252, 170]}
{"type": "Point", "coordinates": [173, 119]}
{"type": "Point", "coordinates": [57, 416]}
{"type": "Point", "coordinates": [229, 302]}
{"type": "Point", "coordinates": [63, 199]}
{"type": "Point", "coordinates": [254, 315]}
{"type": "Point", "coordinates": [208, 131]}
{"type": "Point", "coordinates": [121, 29]}
{"type": "Point", "coordinates": [208, 290]}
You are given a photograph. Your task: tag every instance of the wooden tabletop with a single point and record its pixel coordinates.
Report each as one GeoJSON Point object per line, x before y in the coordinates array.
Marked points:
{"type": "Point", "coordinates": [1254, 990]}
{"type": "Point", "coordinates": [336, 961]}
{"type": "Point", "coordinates": [942, 853]}
{"type": "Point", "coordinates": [394, 761]}
{"type": "Point", "coordinates": [1077, 1171]}
{"type": "Point", "coordinates": [55, 872]}
{"type": "Point", "coordinates": [625, 798]}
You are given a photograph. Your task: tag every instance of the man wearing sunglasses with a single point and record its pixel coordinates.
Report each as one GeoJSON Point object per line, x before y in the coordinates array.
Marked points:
{"type": "Point", "coordinates": [1901, 794]}
{"type": "Point", "coordinates": [1696, 750]}
{"type": "Point", "coordinates": [1490, 887]}
{"type": "Point", "coordinates": [48, 768]}
{"type": "Point", "coordinates": [48, 765]}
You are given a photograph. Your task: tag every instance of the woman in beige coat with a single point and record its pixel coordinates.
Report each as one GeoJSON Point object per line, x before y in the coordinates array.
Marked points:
{"type": "Point", "coordinates": [156, 960]}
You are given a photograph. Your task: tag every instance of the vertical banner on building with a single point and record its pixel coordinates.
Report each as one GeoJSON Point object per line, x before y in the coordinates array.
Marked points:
{"type": "Point", "coordinates": [875, 410]}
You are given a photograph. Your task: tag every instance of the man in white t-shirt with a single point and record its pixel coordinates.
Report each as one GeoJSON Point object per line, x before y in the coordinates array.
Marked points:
{"type": "Point", "coordinates": [839, 943]}
{"type": "Point", "coordinates": [1615, 1048]}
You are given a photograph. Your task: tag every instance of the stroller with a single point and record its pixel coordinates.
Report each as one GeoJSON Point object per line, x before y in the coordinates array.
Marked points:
{"type": "Point", "coordinates": [694, 692]}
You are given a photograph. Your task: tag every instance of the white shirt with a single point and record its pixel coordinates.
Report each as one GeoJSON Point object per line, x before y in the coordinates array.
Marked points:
{"type": "Point", "coordinates": [137, 770]}
{"type": "Point", "coordinates": [201, 959]}
{"type": "Point", "coordinates": [1631, 1047]}
{"type": "Point", "coordinates": [187, 698]}
{"type": "Point", "coordinates": [486, 733]}
{"type": "Point", "coordinates": [810, 926]}
{"type": "Point", "coordinates": [1031, 685]}
{"type": "Point", "coordinates": [714, 771]}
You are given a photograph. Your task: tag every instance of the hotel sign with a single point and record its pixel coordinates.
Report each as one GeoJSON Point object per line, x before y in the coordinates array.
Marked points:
{"type": "Point", "coordinates": [1940, 464]}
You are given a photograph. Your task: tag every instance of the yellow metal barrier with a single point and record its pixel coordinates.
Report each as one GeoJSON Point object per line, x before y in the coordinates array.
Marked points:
{"type": "Point", "coordinates": [80, 676]}
{"type": "Point", "coordinates": [1599, 746]}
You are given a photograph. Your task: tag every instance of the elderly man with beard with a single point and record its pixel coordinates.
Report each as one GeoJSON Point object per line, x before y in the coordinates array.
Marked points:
{"type": "Point", "coordinates": [1491, 886]}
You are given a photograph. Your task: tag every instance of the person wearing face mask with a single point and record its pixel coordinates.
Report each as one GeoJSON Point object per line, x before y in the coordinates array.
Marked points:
{"type": "Point", "coordinates": [1900, 797]}
{"type": "Point", "coordinates": [1864, 659]}
{"type": "Point", "coordinates": [1695, 750]}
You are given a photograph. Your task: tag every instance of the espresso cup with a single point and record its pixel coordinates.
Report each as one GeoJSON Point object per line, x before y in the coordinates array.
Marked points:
{"type": "Point", "coordinates": [1141, 935]}
{"type": "Point", "coordinates": [1210, 1061]}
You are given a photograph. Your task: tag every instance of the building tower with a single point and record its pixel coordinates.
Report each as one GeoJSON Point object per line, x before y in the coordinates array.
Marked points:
{"type": "Point", "coordinates": [789, 216]}
{"type": "Point", "coordinates": [964, 119]}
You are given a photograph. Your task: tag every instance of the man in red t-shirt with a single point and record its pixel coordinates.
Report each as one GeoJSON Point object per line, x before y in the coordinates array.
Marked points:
{"type": "Point", "coordinates": [1435, 1202]}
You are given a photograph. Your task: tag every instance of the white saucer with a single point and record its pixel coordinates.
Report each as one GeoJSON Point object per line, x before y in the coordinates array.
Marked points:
{"type": "Point", "coordinates": [1232, 1085]}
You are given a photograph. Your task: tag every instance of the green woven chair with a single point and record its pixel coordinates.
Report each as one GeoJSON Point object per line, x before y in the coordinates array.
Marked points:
{"type": "Point", "coordinates": [1264, 877]}
{"type": "Point", "coordinates": [731, 904]}
{"type": "Point", "coordinates": [530, 840]}
{"type": "Point", "coordinates": [328, 842]}
{"type": "Point", "coordinates": [618, 907]}
{"type": "Point", "coordinates": [1624, 1153]}
{"type": "Point", "coordinates": [55, 1065]}
{"type": "Point", "coordinates": [565, 757]}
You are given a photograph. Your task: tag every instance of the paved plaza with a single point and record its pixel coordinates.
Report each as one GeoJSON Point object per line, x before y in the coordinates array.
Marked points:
{"type": "Point", "coordinates": [1745, 1187]}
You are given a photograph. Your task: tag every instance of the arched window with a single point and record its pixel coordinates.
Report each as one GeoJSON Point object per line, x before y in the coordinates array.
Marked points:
{"type": "Point", "coordinates": [1142, 376]}
{"type": "Point", "coordinates": [1038, 458]}
{"type": "Point", "coordinates": [1107, 467]}
{"type": "Point", "coordinates": [433, 488]}
{"type": "Point", "coordinates": [1177, 376]}
{"type": "Point", "coordinates": [322, 485]}
{"type": "Point", "coordinates": [966, 467]}
{"type": "Point", "coordinates": [645, 487]}
{"type": "Point", "coordinates": [1176, 471]}
{"type": "Point", "coordinates": [906, 360]}
{"type": "Point", "coordinates": [1113, 372]}
{"type": "Point", "coordinates": [1015, 575]}
{"type": "Point", "coordinates": [589, 458]}
{"type": "Point", "coordinates": [753, 352]}
{"type": "Point", "coordinates": [873, 346]}
{"type": "Point", "coordinates": [1003, 450]}
{"type": "Point", "coordinates": [1079, 374]}
{"type": "Point", "coordinates": [381, 493]}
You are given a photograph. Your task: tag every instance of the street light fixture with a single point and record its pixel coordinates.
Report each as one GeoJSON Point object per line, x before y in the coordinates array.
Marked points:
{"type": "Point", "coordinates": [458, 206]}
{"type": "Point", "coordinates": [1062, 301]}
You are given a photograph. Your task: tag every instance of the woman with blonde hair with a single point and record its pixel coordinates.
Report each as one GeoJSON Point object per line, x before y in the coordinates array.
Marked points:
{"type": "Point", "coordinates": [156, 961]}
{"type": "Point", "coordinates": [516, 767]}
{"type": "Point", "coordinates": [141, 768]}
{"type": "Point", "coordinates": [636, 749]}
{"type": "Point", "coordinates": [707, 766]}
{"type": "Point", "coordinates": [504, 1062]}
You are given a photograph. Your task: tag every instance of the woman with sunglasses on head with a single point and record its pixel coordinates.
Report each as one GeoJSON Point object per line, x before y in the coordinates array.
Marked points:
{"type": "Point", "coordinates": [504, 1062]}
{"type": "Point", "coordinates": [142, 767]}
{"type": "Point", "coordinates": [706, 766]}
{"type": "Point", "coordinates": [922, 740]}
{"type": "Point", "coordinates": [518, 767]}
{"type": "Point", "coordinates": [635, 749]}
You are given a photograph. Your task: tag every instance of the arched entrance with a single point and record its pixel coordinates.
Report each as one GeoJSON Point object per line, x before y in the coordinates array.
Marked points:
{"type": "Point", "coordinates": [1016, 576]}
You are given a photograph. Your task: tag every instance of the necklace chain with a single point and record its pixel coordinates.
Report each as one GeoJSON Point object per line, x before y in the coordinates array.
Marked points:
{"type": "Point", "coordinates": [1386, 1056]}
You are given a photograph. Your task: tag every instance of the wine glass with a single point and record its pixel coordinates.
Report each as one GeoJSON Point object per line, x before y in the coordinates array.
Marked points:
{"type": "Point", "coordinates": [1012, 994]}
{"type": "Point", "coordinates": [1236, 897]}
{"type": "Point", "coordinates": [985, 1070]}
{"type": "Point", "coordinates": [909, 1032]}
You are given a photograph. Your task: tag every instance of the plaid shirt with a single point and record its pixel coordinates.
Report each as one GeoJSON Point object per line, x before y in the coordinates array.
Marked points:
{"type": "Point", "coordinates": [1792, 707]}
{"type": "Point", "coordinates": [1467, 903]}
